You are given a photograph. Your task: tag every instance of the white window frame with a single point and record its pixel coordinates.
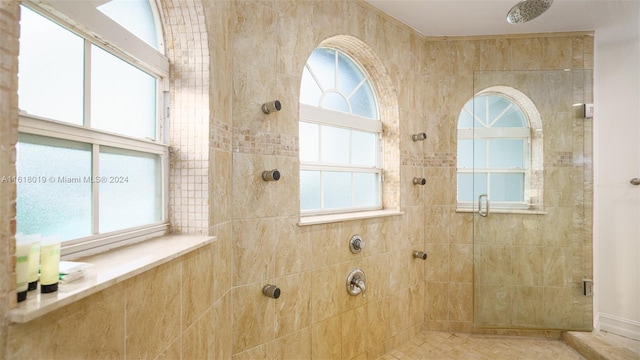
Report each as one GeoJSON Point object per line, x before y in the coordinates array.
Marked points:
{"type": "Point", "coordinates": [86, 21]}
{"type": "Point", "coordinates": [326, 117]}
{"type": "Point", "coordinates": [523, 133]}
{"type": "Point", "coordinates": [315, 115]}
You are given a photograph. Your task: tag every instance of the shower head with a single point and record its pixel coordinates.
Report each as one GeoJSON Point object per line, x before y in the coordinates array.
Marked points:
{"type": "Point", "coordinates": [527, 10]}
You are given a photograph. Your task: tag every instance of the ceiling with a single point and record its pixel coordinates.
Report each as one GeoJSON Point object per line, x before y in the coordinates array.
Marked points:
{"type": "Point", "coordinates": [488, 17]}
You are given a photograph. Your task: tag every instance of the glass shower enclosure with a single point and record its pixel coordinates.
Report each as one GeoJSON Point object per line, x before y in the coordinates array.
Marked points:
{"type": "Point", "coordinates": [532, 188]}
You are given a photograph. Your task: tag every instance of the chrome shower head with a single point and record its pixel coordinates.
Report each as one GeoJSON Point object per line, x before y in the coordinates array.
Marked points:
{"type": "Point", "coordinates": [527, 10]}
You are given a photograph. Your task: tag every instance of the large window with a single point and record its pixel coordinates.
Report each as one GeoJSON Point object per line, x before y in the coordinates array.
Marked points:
{"type": "Point", "coordinates": [340, 136]}
{"type": "Point", "coordinates": [494, 147]}
{"type": "Point", "coordinates": [91, 159]}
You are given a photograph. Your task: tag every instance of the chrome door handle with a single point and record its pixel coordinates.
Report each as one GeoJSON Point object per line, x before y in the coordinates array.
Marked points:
{"type": "Point", "coordinates": [635, 181]}
{"type": "Point", "coordinates": [484, 213]}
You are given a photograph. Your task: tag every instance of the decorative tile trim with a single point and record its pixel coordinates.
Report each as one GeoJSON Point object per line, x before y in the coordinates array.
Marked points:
{"type": "Point", "coordinates": [221, 136]}
{"type": "Point", "coordinates": [248, 141]}
{"type": "Point", "coordinates": [559, 159]}
{"type": "Point", "coordinates": [446, 159]}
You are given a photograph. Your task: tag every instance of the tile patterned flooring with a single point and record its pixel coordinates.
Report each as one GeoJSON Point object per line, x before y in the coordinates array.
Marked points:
{"type": "Point", "coordinates": [461, 346]}
{"type": "Point", "coordinates": [603, 345]}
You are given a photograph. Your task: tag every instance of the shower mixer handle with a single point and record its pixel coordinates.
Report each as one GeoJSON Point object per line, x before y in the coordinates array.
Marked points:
{"type": "Point", "coordinates": [356, 282]}
{"type": "Point", "coordinates": [360, 284]}
{"type": "Point", "coordinates": [483, 213]}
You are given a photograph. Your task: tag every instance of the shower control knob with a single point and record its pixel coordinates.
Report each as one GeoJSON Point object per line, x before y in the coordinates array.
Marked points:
{"type": "Point", "coordinates": [420, 255]}
{"type": "Point", "coordinates": [271, 175]}
{"type": "Point", "coordinates": [271, 291]}
{"type": "Point", "coordinates": [635, 181]}
{"type": "Point", "coordinates": [356, 244]}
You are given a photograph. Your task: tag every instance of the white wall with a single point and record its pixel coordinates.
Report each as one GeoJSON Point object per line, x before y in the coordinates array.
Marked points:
{"type": "Point", "coordinates": [616, 161]}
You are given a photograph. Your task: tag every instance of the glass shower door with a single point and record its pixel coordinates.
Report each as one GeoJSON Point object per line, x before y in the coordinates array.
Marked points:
{"type": "Point", "coordinates": [532, 199]}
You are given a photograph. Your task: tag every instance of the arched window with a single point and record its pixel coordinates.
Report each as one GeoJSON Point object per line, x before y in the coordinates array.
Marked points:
{"type": "Point", "coordinates": [340, 136]}
{"type": "Point", "coordinates": [91, 149]}
{"type": "Point", "coordinates": [495, 152]}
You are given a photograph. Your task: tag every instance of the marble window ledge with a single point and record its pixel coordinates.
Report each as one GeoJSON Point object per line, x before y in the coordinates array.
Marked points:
{"type": "Point", "coordinates": [109, 268]}
{"type": "Point", "coordinates": [332, 218]}
{"type": "Point", "coordinates": [503, 211]}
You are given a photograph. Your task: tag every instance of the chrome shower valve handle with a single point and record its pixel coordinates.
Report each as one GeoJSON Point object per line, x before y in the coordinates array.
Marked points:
{"type": "Point", "coordinates": [356, 283]}
{"type": "Point", "coordinates": [356, 244]}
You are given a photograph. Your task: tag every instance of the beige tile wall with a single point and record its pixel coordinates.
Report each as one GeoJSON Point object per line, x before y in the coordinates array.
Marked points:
{"type": "Point", "coordinates": [9, 30]}
{"type": "Point", "coordinates": [315, 316]}
{"type": "Point", "coordinates": [181, 309]}
{"type": "Point", "coordinates": [172, 311]}
{"type": "Point", "coordinates": [209, 303]}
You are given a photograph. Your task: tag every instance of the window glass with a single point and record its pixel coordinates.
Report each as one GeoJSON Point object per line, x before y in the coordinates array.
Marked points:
{"type": "Point", "coordinates": [51, 70]}
{"type": "Point", "coordinates": [335, 101]}
{"type": "Point", "coordinates": [310, 190]}
{"type": "Point", "coordinates": [322, 62]}
{"type": "Point", "coordinates": [350, 75]}
{"type": "Point", "coordinates": [123, 97]}
{"type": "Point", "coordinates": [506, 153]}
{"type": "Point", "coordinates": [493, 158]}
{"type": "Point", "coordinates": [309, 142]}
{"type": "Point", "coordinates": [130, 190]}
{"type": "Point", "coordinates": [507, 187]}
{"type": "Point", "coordinates": [470, 185]}
{"type": "Point", "coordinates": [472, 153]}
{"type": "Point", "coordinates": [54, 187]}
{"type": "Point", "coordinates": [335, 145]}
{"type": "Point", "coordinates": [336, 189]}
{"type": "Point", "coordinates": [76, 181]}
{"type": "Point", "coordinates": [310, 92]}
{"type": "Point", "coordinates": [339, 154]}
{"type": "Point", "coordinates": [134, 15]}
{"type": "Point", "coordinates": [366, 189]}
{"type": "Point", "coordinates": [362, 102]}
{"type": "Point", "coordinates": [511, 118]}
{"type": "Point", "coordinates": [497, 106]}
{"type": "Point", "coordinates": [364, 148]}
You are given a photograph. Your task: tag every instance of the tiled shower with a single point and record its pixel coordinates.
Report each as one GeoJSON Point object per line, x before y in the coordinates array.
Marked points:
{"type": "Point", "coordinates": [228, 58]}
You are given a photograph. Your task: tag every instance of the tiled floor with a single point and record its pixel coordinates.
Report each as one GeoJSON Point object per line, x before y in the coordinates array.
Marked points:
{"type": "Point", "coordinates": [603, 345]}
{"type": "Point", "coordinates": [459, 346]}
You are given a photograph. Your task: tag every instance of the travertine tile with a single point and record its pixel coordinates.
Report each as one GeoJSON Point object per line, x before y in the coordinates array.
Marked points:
{"type": "Point", "coordinates": [327, 289]}
{"type": "Point", "coordinates": [223, 332]}
{"type": "Point", "coordinates": [222, 253]}
{"type": "Point", "coordinates": [460, 302]}
{"type": "Point", "coordinates": [198, 340]}
{"type": "Point", "coordinates": [436, 300]}
{"type": "Point", "coordinates": [197, 284]}
{"type": "Point", "coordinates": [454, 346]}
{"type": "Point", "coordinates": [152, 321]}
{"type": "Point", "coordinates": [173, 351]}
{"type": "Point", "coordinates": [253, 317]}
{"type": "Point", "coordinates": [94, 326]}
{"type": "Point", "coordinates": [253, 250]}
{"type": "Point", "coordinates": [326, 338]}
{"type": "Point", "coordinates": [293, 308]}
{"type": "Point", "coordinates": [296, 345]}
{"type": "Point", "coordinates": [354, 332]}
{"type": "Point", "coordinates": [293, 250]}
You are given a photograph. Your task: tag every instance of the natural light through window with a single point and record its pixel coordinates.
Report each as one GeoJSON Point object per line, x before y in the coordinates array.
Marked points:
{"type": "Point", "coordinates": [340, 136]}
{"type": "Point", "coordinates": [494, 142]}
{"type": "Point", "coordinates": [91, 158]}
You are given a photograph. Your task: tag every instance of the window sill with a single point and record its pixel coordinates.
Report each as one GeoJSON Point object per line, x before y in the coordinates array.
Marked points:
{"type": "Point", "coordinates": [108, 269]}
{"type": "Point", "coordinates": [333, 218]}
{"type": "Point", "coordinates": [504, 211]}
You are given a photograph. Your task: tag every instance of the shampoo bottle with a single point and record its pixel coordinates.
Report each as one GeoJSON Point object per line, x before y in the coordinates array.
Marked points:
{"type": "Point", "coordinates": [49, 264]}
{"type": "Point", "coordinates": [23, 250]}
{"type": "Point", "coordinates": [34, 262]}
